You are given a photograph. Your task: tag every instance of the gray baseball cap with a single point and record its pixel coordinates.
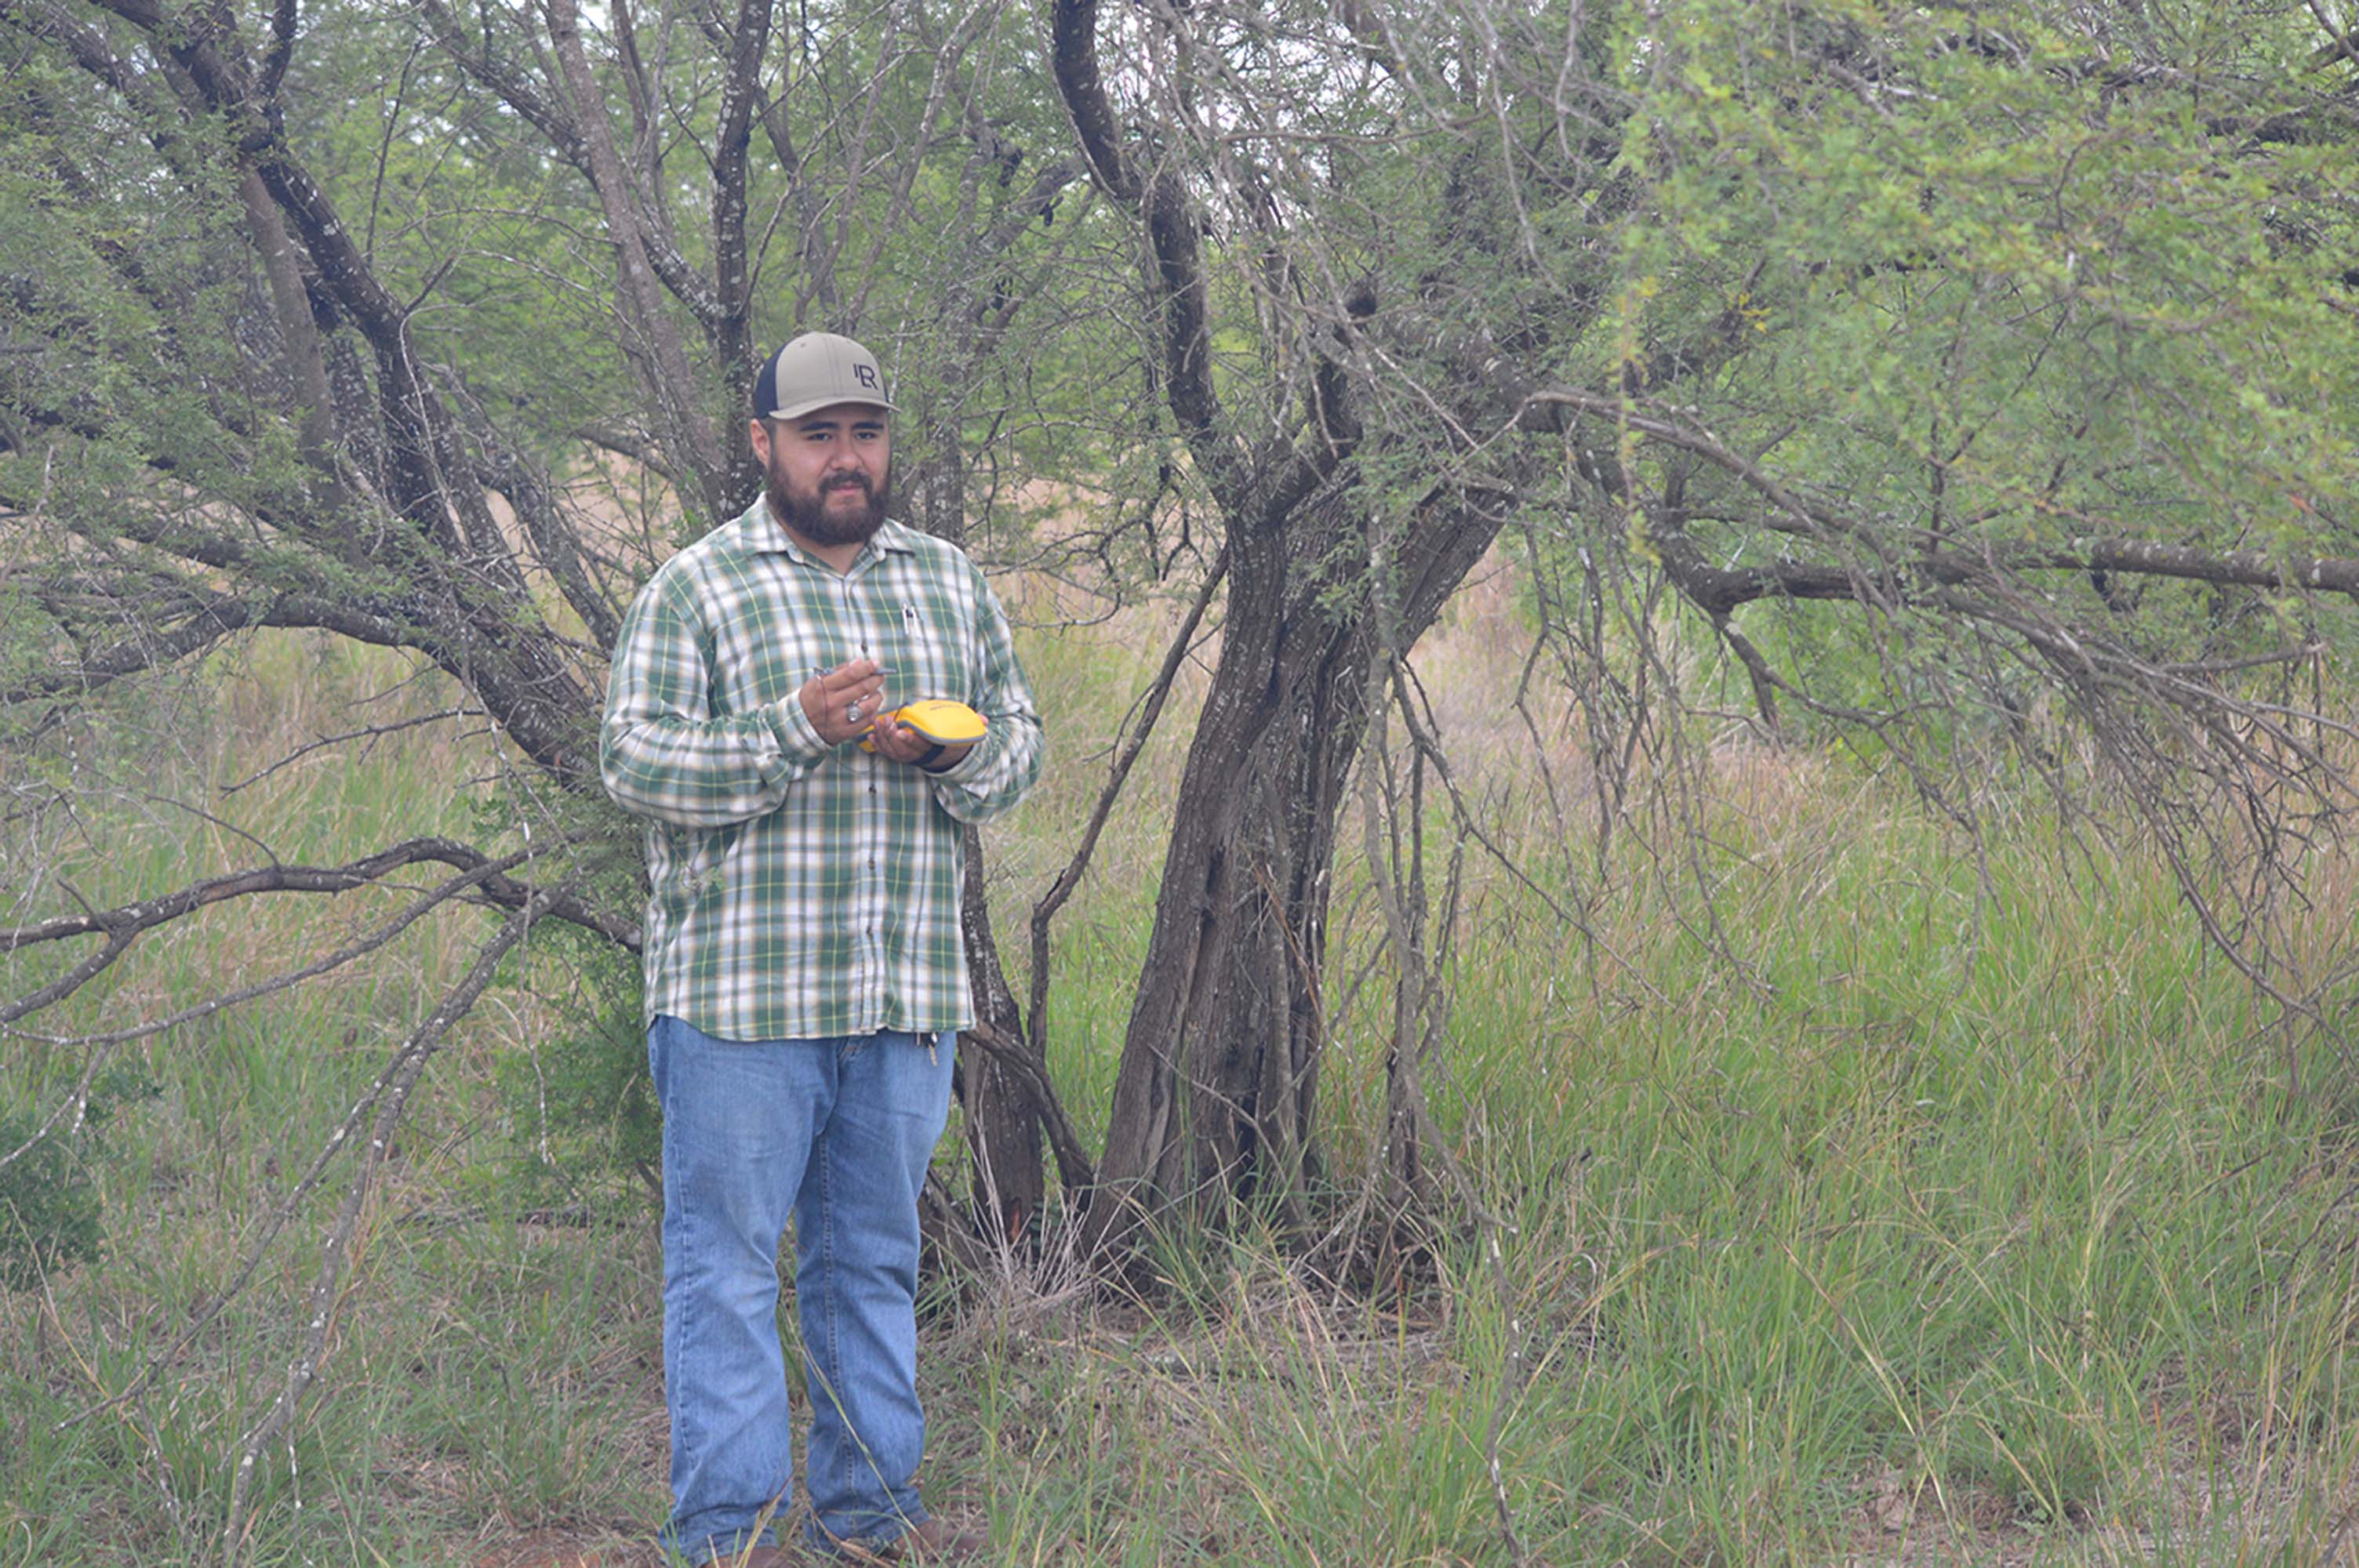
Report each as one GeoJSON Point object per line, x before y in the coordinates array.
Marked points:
{"type": "Point", "coordinates": [815, 370]}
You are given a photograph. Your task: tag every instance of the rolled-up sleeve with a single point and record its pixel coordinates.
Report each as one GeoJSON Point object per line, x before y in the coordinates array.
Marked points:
{"type": "Point", "coordinates": [1002, 767]}
{"type": "Point", "coordinates": [663, 753]}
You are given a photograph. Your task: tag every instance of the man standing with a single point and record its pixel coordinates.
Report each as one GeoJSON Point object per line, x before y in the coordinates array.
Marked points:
{"type": "Point", "coordinates": [804, 972]}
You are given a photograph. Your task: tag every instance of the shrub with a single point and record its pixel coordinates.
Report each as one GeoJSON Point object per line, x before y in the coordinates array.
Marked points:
{"type": "Point", "coordinates": [50, 1215]}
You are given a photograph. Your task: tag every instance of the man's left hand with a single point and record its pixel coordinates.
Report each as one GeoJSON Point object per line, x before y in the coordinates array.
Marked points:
{"type": "Point", "coordinates": [900, 744]}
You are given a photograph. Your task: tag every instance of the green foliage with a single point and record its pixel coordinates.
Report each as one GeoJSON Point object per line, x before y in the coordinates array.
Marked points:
{"type": "Point", "coordinates": [579, 1100]}
{"type": "Point", "coordinates": [48, 1213]}
{"type": "Point", "coordinates": [50, 1217]}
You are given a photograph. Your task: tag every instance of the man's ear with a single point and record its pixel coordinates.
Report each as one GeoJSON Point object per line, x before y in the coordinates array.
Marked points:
{"type": "Point", "coordinates": [760, 432]}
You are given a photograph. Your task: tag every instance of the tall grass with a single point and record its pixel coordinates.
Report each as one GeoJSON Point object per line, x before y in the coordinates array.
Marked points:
{"type": "Point", "coordinates": [1929, 1203]}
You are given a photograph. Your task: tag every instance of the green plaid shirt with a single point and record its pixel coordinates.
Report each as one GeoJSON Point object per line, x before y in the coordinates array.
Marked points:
{"type": "Point", "coordinates": [802, 890]}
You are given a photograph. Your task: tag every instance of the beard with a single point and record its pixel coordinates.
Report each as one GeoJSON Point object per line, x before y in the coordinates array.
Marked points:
{"type": "Point", "coordinates": [806, 513]}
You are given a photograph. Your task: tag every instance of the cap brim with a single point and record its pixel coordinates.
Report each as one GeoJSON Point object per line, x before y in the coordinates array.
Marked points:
{"type": "Point", "coordinates": [810, 405]}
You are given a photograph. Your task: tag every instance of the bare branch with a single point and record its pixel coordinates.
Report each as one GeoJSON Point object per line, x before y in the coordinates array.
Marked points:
{"type": "Point", "coordinates": [732, 278]}
{"type": "Point", "coordinates": [1718, 590]}
{"type": "Point", "coordinates": [564, 135]}
{"type": "Point", "coordinates": [1073, 1161]}
{"type": "Point", "coordinates": [123, 925]}
{"type": "Point", "coordinates": [371, 732]}
{"type": "Point", "coordinates": [1419, 1020]}
{"type": "Point", "coordinates": [657, 356]}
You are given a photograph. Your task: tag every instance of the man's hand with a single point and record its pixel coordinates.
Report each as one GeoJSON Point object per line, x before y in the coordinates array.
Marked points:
{"type": "Point", "coordinates": [844, 703]}
{"type": "Point", "coordinates": [902, 744]}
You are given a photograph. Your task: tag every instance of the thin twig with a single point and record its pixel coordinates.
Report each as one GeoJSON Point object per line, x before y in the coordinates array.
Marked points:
{"type": "Point", "coordinates": [125, 923]}
{"type": "Point", "coordinates": [1182, 644]}
{"type": "Point", "coordinates": [73, 1102]}
{"type": "Point", "coordinates": [302, 1188]}
{"type": "Point", "coordinates": [369, 733]}
{"type": "Point", "coordinates": [1072, 1158]}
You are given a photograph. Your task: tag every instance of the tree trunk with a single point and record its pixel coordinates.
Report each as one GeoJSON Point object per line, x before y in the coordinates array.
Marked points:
{"type": "Point", "coordinates": [1266, 1076]}
{"type": "Point", "coordinates": [1215, 1098]}
{"type": "Point", "coordinates": [1003, 1115]}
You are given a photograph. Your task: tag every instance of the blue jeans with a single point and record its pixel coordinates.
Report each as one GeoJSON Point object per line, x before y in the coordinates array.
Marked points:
{"type": "Point", "coordinates": [839, 1133]}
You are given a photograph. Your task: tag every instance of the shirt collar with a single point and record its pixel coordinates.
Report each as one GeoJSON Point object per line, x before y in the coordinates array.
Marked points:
{"type": "Point", "coordinates": [762, 531]}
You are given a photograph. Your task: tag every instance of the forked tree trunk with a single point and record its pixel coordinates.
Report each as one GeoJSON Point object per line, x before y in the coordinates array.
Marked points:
{"type": "Point", "coordinates": [1215, 1094]}
{"type": "Point", "coordinates": [1215, 1098]}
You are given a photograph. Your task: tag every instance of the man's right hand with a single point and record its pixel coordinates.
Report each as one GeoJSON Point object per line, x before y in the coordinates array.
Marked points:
{"type": "Point", "coordinates": [841, 703]}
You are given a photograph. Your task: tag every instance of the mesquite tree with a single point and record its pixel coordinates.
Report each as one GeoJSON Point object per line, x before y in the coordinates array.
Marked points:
{"type": "Point", "coordinates": [2021, 338]}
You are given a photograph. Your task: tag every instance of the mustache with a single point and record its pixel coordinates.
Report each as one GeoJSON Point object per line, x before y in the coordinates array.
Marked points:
{"type": "Point", "coordinates": [848, 481]}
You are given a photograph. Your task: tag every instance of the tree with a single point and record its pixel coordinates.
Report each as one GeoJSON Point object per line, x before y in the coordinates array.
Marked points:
{"type": "Point", "coordinates": [1923, 314]}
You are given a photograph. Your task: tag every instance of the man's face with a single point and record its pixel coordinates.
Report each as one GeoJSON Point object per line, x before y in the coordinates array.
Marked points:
{"type": "Point", "coordinates": [829, 474]}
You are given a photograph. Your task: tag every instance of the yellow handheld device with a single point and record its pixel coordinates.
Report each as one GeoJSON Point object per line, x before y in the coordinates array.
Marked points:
{"type": "Point", "coordinates": [939, 721]}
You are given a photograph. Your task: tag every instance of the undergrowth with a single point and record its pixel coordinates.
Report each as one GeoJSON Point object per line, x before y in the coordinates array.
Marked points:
{"type": "Point", "coordinates": [1928, 1202]}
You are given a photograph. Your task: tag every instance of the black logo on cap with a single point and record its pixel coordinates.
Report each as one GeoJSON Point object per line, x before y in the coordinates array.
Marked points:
{"type": "Point", "coordinates": [865, 375]}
